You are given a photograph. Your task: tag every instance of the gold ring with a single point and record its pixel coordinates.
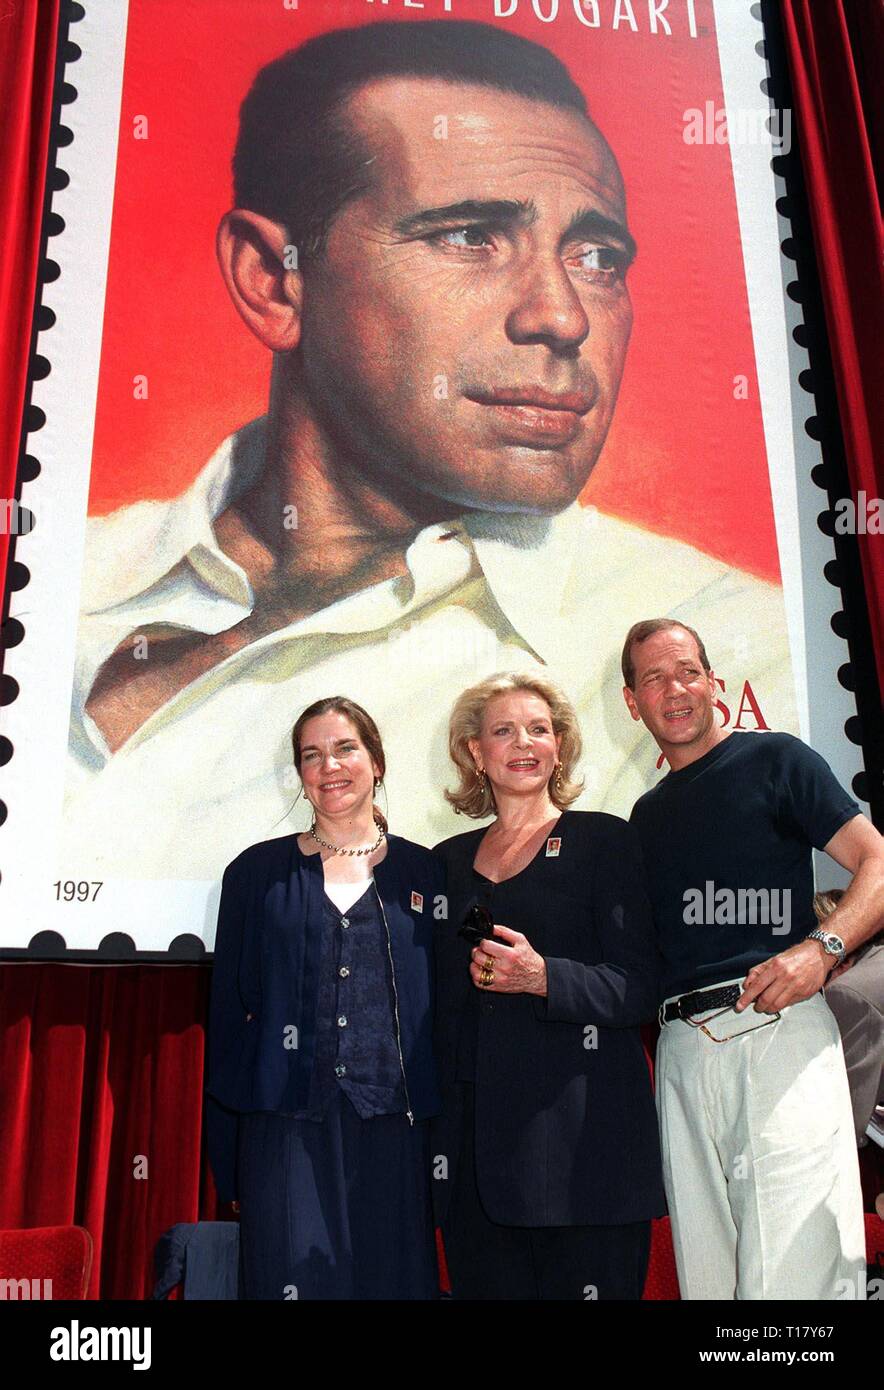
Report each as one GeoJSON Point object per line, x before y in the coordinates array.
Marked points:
{"type": "Point", "coordinates": [487, 976]}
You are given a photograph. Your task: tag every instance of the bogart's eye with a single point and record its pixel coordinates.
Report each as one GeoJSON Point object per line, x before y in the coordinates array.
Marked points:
{"type": "Point", "coordinates": [603, 265]}
{"type": "Point", "coordinates": [458, 238]}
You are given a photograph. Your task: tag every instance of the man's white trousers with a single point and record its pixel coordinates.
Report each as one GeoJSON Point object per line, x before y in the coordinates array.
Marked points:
{"type": "Point", "coordinates": [759, 1157]}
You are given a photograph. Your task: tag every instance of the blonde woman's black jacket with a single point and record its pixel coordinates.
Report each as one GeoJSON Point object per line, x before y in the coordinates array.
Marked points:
{"type": "Point", "coordinates": [566, 1129]}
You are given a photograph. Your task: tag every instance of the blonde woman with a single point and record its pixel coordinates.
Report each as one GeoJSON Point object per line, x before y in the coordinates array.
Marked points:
{"type": "Point", "coordinates": [549, 1134]}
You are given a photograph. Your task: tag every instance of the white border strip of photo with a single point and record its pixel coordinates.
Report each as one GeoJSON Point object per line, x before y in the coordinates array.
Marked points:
{"type": "Point", "coordinates": [823, 704]}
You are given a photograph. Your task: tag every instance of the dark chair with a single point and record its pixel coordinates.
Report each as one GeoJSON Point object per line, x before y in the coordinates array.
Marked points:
{"type": "Point", "coordinates": [202, 1254]}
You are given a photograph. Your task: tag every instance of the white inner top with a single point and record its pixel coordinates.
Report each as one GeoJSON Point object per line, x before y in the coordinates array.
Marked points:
{"type": "Point", "coordinates": [344, 895]}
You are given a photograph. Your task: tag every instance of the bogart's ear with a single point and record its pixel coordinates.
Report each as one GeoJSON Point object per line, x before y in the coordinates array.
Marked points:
{"type": "Point", "coordinates": [630, 702]}
{"type": "Point", "coordinates": [254, 254]}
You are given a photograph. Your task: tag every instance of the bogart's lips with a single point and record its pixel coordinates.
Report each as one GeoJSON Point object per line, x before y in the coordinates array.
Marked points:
{"type": "Point", "coordinates": [575, 402]}
{"type": "Point", "coordinates": [531, 417]}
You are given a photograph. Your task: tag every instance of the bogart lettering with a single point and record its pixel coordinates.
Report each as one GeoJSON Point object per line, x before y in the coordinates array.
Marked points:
{"type": "Point", "coordinates": [677, 17]}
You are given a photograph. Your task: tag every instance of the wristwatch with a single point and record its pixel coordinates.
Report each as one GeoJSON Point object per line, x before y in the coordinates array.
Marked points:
{"type": "Point", "coordinates": [832, 944]}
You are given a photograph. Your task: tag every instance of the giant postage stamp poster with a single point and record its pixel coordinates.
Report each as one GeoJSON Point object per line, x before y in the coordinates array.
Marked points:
{"type": "Point", "coordinates": [395, 344]}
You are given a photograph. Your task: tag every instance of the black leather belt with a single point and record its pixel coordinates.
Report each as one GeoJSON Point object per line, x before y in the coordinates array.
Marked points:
{"type": "Point", "coordinates": [702, 1001]}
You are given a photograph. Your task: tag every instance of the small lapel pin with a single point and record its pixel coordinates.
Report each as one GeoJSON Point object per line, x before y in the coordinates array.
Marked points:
{"type": "Point", "coordinates": [553, 845]}
{"type": "Point", "coordinates": [417, 902]}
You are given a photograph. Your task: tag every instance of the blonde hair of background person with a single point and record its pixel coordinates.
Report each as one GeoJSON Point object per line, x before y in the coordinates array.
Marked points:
{"type": "Point", "coordinates": [824, 904]}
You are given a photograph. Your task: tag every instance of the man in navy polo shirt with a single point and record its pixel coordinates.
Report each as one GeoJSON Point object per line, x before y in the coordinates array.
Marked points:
{"type": "Point", "coordinates": [759, 1155]}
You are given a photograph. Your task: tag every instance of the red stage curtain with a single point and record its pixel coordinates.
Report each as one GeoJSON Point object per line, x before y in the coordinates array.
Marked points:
{"type": "Point", "coordinates": [27, 61]}
{"type": "Point", "coordinates": [834, 52]}
{"type": "Point", "coordinates": [101, 1084]}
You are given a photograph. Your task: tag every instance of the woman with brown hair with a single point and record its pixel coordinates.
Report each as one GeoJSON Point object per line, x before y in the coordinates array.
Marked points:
{"type": "Point", "coordinates": [321, 1073]}
{"type": "Point", "coordinates": [549, 1130]}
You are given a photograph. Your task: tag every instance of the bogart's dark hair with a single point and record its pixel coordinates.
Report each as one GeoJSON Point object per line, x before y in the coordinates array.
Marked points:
{"type": "Point", "coordinates": [296, 160]}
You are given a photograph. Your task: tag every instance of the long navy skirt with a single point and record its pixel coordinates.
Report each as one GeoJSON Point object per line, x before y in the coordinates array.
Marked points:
{"type": "Point", "coordinates": [335, 1209]}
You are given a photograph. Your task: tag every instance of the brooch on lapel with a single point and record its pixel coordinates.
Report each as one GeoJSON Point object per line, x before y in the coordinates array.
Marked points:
{"type": "Point", "coordinates": [417, 901]}
{"type": "Point", "coordinates": [553, 845]}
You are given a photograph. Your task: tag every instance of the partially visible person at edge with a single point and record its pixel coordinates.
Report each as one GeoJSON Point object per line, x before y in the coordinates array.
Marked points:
{"type": "Point", "coordinates": [759, 1155]}
{"type": "Point", "coordinates": [321, 1074]}
{"type": "Point", "coordinates": [858, 1004]}
{"type": "Point", "coordinates": [547, 1161]}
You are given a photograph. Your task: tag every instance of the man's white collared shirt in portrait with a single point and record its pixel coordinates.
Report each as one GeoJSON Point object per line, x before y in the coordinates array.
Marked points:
{"type": "Point", "coordinates": [210, 771]}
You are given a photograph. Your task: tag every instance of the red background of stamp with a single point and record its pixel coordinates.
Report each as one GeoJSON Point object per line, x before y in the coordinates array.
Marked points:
{"type": "Point", "coordinates": [684, 456]}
